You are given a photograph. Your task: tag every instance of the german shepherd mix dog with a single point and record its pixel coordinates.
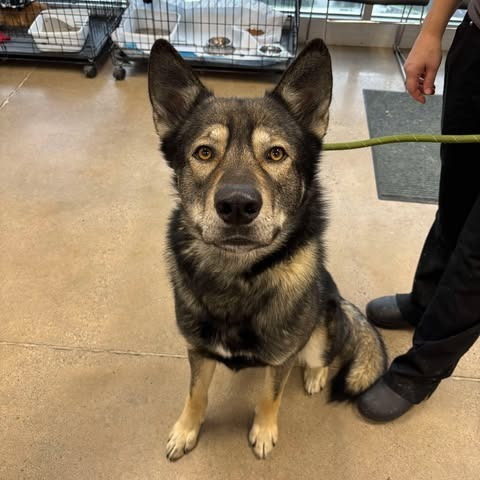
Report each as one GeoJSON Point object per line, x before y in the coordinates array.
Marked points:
{"type": "Point", "coordinates": [247, 260]}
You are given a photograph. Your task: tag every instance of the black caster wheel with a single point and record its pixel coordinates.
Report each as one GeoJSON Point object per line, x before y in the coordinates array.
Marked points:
{"type": "Point", "coordinates": [119, 73]}
{"type": "Point", "coordinates": [90, 71]}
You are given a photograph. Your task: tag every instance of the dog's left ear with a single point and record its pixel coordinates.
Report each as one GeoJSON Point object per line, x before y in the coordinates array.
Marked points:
{"type": "Point", "coordinates": [306, 87]}
{"type": "Point", "coordinates": [173, 87]}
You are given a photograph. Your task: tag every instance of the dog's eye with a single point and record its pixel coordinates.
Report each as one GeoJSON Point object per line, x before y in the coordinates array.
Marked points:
{"type": "Point", "coordinates": [204, 153]}
{"type": "Point", "coordinates": [276, 154]}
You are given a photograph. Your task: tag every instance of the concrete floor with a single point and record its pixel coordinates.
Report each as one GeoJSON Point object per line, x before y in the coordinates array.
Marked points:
{"type": "Point", "coordinates": [92, 370]}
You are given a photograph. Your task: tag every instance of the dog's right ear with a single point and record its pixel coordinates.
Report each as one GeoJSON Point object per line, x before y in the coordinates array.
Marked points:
{"type": "Point", "coordinates": [173, 87]}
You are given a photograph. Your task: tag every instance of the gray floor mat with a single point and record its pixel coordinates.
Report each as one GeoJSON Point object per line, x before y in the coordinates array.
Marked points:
{"type": "Point", "coordinates": [407, 172]}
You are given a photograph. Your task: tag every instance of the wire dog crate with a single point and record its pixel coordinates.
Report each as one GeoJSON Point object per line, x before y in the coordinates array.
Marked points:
{"type": "Point", "coordinates": [58, 30]}
{"type": "Point", "coordinates": [221, 34]}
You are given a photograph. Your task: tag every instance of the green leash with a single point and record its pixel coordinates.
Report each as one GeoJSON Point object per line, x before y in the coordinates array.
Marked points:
{"type": "Point", "coordinates": [409, 137]}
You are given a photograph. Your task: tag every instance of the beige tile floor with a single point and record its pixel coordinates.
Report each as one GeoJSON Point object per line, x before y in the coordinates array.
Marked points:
{"type": "Point", "coordinates": [92, 370]}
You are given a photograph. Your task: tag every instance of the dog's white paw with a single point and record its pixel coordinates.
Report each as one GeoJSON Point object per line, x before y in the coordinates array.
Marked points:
{"type": "Point", "coordinates": [263, 438]}
{"type": "Point", "coordinates": [181, 440]}
{"type": "Point", "coordinates": [315, 379]}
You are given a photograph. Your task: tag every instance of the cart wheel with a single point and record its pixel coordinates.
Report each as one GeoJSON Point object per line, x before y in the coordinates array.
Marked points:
{"type": "Point", "coordinates": [119, 73]}
{"type": "Point", "coordinates": [90, 71]}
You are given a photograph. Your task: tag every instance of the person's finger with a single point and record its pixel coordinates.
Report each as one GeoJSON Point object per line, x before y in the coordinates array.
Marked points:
{"type": "Point", "coordinates": [428, 83]}
{"type": "Point", "coordinates": [421, 87]}
{"type": "Point", "coordinates": [412, 83]}
{"type": "Point", "coordinates": [417, 93]}
{"type": "Point", "coordinates": [415, 90]}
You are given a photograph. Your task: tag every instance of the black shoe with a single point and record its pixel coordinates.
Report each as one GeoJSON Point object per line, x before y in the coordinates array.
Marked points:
{"type": "Point", "coordinates": [381, 404]}
{"type": "Point", "coordinates": [384, 312]}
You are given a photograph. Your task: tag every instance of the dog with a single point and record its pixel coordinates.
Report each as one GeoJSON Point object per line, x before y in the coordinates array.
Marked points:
{"type": "Point", "coordinates": [245, 242]}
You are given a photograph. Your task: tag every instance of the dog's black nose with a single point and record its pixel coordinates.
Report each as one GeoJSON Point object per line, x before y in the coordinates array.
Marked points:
{"type": "Point", "coordinates": [238, 204]}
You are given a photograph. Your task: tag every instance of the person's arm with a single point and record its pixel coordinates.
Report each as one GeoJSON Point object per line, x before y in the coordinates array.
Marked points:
{"type": "Point", "coordinates": [425, 57]}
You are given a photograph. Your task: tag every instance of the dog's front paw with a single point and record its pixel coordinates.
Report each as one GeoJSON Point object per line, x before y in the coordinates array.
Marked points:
{"type": "Point", "coordinates": [181, 440]}
{"type": "Point", "coordinates": [263, 438]}
{"type": "Point", "coordinates": [315, 379]}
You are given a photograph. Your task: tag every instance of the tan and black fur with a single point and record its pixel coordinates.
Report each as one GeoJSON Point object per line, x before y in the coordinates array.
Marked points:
{"type": "Point", "coordinates": [245, 241]}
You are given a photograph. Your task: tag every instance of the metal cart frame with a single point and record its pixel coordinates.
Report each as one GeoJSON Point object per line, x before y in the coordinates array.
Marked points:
{"type": "Point", "coordinates": [128, 52]}
{"type": "Point", "coordinates": [103, 18]}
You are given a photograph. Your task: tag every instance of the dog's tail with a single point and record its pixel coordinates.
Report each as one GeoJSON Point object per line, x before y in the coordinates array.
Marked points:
{"type": "Point", "coordinates": [359, 346]}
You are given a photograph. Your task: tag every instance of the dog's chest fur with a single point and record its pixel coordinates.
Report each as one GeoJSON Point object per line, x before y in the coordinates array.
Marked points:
{"type": "Point", "coordinates": [246, 331]}
{"type": "Point", "coordinates": [247, 320]}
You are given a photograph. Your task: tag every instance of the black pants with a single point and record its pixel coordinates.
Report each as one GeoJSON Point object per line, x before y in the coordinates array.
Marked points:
{"type": "Point", "coordinates": [444, 305]}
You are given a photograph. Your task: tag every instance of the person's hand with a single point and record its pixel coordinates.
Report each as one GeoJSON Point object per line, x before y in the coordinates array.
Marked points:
{"type": "Point", "coordinates": [421, 66]}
